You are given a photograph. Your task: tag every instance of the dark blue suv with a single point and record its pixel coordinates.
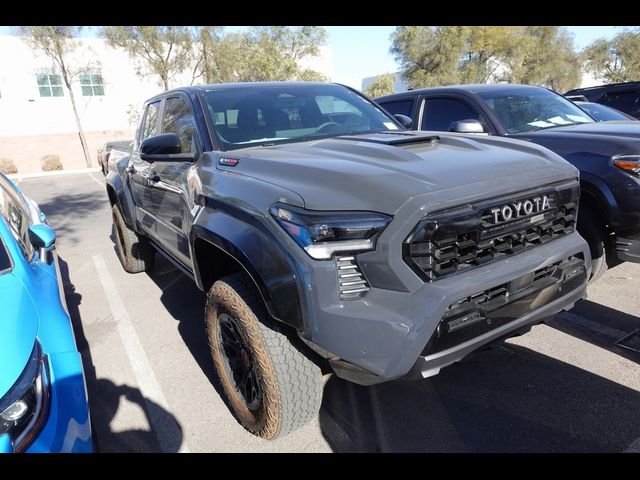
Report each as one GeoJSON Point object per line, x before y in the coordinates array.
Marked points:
{"type": "Point", "coordinates": [607, 154]}
{"type": "Point", "coordinates": [621, 96]}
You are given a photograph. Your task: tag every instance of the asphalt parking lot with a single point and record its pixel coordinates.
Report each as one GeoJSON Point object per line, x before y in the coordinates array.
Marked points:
{"type": "Point", "coordinates": [564, 387]}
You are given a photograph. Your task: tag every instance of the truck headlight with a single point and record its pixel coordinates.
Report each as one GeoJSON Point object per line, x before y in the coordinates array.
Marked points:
{"type": "Point", "coordinates": [24, 408]}
{"type": "Point", "coordinates": [628, 163]}
{"type": "Point", "coordinates": [322, 233]}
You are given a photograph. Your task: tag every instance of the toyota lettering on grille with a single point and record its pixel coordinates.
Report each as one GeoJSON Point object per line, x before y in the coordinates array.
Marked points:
{"type": "Point", "coordinates": [521, 208]}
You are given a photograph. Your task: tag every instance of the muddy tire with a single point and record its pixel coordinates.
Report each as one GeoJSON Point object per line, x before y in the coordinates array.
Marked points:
{"type": "Point", "coordinates": [271, 387]}
{"type": "Point", "coordinates": [134, 251]}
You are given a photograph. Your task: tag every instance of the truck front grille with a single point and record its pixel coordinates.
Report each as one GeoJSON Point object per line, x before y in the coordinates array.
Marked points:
{"type": "Point", "coordinates": [351, 281]}
{"type": "Point", "coordinates": [444, 245]}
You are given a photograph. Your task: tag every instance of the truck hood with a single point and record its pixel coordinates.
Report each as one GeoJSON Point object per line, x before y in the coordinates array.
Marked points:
{"type": "Point", "coordinates": [18, 329]}
{"type": "Point", "coordinates": [382, 171]}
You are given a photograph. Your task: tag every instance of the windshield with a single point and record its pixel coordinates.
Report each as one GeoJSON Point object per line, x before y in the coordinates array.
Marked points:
{"type": "Point", "coordinates": [267, 115]}
{"type": "Point", "coordinates": [603, 113]}
{"type": "Point", "coordinates": [529, 109]}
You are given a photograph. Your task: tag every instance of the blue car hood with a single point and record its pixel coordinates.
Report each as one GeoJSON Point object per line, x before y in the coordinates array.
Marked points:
{"type": "Point", "coordinates": [18, 329]}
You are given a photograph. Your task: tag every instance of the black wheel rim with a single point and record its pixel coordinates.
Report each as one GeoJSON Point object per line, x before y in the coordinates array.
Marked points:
{"type": "Point", "coordinates": [239, 362]}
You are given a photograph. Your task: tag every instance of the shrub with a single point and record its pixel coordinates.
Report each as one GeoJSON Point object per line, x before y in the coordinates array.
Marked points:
{"type": "Point", "coordinates": [7, 166]}
{"type": "Point", "coordinates": [51, 162]}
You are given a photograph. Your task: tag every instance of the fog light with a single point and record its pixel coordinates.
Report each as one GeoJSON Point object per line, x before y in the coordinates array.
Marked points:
{"type": "Point", "coordinates": [15, 411]}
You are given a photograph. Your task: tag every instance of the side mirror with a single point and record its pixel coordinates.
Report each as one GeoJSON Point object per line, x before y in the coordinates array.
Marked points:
{"type": "Point", "coordinates": [405, 121]}
{"type": "Point", "coordinates": [158, 146]}
{"type": "Point", "coordinates": [467, 126]}
{"type": "Point", "coordinates": [42, 237]}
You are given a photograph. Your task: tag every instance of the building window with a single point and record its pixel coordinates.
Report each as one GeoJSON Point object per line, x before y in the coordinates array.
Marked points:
{"type": "Point", "coordinates": [91, 85]}
{"type": "Point", "coordinates": [50, 85]}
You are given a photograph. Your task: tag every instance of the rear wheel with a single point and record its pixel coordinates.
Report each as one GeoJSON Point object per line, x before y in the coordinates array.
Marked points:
{"type": "Point", "coordinates": [271, 387]}
{"type": "Point", "coordinates": [134, 251]}
{"type": "Point", "coordinates": [595, 235]}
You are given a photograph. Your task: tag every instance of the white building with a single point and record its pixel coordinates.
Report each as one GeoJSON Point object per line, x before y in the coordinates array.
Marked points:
{"type": "Point", "coordinates": [36, 117]}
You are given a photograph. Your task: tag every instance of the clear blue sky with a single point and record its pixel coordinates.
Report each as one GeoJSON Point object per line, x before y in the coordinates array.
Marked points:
{"type": "Point", "coordinates": [360, 52]}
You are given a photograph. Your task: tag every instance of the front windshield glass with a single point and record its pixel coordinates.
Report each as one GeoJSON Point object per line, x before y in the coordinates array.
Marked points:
{"type": "Point", "coordinates": [602, 113]}
{"type": "Point", "coordinates": [529, 109]}
{"type": "Point", "coordinates": [267, 115]}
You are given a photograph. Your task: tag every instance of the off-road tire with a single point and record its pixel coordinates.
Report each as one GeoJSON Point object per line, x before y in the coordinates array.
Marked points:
{"type": "Point", "coordinates": [134, 251]}
{"type": "Point", "coordinates": [290, 383]}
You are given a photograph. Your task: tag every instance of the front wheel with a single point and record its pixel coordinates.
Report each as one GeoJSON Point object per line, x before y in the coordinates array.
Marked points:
{"type": "Point", "coordinates": [271, 387]}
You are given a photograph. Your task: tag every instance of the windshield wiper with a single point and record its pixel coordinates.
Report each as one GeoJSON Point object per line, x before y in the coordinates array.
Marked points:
{"type": "Point", "coordinates": [558, 125]}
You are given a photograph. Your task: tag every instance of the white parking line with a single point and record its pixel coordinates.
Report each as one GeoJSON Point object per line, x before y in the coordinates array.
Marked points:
{"type": "Point", "coordinates": [145, 378]}
{"type": "Point", "coordinates": [102, 184]}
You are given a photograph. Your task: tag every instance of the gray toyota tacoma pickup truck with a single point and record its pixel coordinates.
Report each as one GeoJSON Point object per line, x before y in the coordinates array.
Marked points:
{"type": "Point", "coordinates": [328, 238]}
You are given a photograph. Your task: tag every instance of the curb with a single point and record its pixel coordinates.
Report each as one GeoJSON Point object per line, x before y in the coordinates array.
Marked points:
{"type": "Point", "coordinates": [21, 176]}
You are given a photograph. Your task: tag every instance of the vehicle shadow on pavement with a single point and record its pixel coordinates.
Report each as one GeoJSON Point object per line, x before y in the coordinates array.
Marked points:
{"type": "Point", "coordinates": [185, 302]}
{"type": "Point", "coordinates": [601, 330]}
{"type": "Point", "coordinates": [510, 399]}
{"type": "Point", "coordinates": [69, 211]}
{"type": "Point", "coordinates": [105, 396]}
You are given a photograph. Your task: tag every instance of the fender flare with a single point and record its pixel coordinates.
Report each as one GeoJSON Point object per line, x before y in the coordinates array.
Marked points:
{"type": "Point", "coordinates": [603, 196]}
{"type": "Point", "coordinates": [118, 195]}
{"type": "Point", "coordinates": [256, 250]}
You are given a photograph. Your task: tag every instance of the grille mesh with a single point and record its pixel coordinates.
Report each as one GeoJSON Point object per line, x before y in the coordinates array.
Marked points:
{"type": "Point", "coordinates": [443, 254]}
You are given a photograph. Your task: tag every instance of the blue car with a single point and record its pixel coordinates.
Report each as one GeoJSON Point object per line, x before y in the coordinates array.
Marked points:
{"type": "Point", "coordinates": [43, 395]}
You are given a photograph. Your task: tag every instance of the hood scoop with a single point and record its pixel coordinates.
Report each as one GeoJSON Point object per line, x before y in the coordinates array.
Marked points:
{"type": "Point", "coordinates": [394, 138]}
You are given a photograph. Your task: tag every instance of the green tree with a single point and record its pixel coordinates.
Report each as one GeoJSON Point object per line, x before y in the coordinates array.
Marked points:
{"type": "Point", "coordinates": [260, 54]}
{"type": "Point", "coordinates": [277, 52]}
{"type": "Point", "coordinates": [429, 56]}
{"type": "Point", "coordinates": [543, 55]}
{"type": "Point", "coordinates": [615, 60]}
{"type": "Point", "coordinates": [58, 43]}
{"type": "Point", "coordinates": [381, 85]}
{"type": "Point", "coordinates": [207, 48]}
{"type": "Point", "coordinates": [162, 51]}
{"type": "Point", "coordinates": [485, 50]}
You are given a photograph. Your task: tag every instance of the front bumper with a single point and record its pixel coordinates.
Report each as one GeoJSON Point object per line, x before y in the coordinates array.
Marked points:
{"type": "Point", "coordinates": [382, 335]}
